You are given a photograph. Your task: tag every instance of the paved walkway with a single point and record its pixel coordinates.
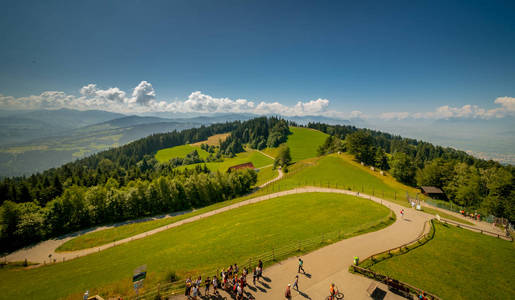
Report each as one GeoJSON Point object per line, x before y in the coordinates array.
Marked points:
{"type": "Point", "coordinates": [330, 264]}
{"type": "Point", "coordinates": [324, 266]}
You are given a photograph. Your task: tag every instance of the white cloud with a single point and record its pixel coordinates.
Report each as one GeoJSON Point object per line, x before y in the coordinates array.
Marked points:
{"type": "Point", "coordinates": [143, 94]}
{"type": "Point", "coordinates": [144, 99]}
{"type": "Point", "coordinates": [507, 108]}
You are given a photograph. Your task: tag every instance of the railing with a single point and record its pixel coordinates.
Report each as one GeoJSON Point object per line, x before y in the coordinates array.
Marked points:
{"type": "Point", "coordinates": [399, 286]}
{"type": "Point", "coordinates": [507, 237]}
{"type": "Point", "coordinates": [274, 255]}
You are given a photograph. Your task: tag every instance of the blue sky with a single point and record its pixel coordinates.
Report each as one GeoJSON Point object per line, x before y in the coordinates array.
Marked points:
{"type": "Point", "coordinates": [373, 57]}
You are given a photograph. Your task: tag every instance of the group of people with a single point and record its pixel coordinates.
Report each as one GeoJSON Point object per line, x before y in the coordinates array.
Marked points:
{"type": "Point", "coordinates": [234, 283]}
{"type": "Point", "coordinates": [474, 215]}
{"type": "Point", "coordinates": [231, 280]}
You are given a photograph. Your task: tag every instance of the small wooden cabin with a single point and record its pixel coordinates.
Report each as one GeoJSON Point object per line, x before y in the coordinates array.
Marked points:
{"type": "Point", "coordinates": [433, 192]}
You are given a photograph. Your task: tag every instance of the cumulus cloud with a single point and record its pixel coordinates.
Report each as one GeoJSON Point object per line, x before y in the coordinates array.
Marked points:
{"type": "Point", "coordinates": [506, 108]}
{"type": "Point", "coordinates": [143, 94]}
{"type": "Point", "coordinates": [143, 99]}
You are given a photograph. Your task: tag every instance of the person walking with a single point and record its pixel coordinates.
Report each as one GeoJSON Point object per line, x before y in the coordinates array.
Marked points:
{"type": "Point", "coordinates": [254, 276]}
{"type": "Point", "coordinates": [195, 292]}
{"type": "Point", "coordinates": [296, 283]}
{"type": "Point", "coordinates": [301, 266]}
{"type": "Point", "coordinates": [287, 293]}
{"type": "Point", "coordinates": [208, 283]}
{"type": "Point", "coordinates": [188, 288]}
{"type": "Point", "coordinates": [402, 213]}
{"type": "Point", "coordinates": [215, 285]}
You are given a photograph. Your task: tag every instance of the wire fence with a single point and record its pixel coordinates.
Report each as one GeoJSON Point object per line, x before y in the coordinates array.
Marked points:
{"type": "Point", "coordinates": [506, 236]}
{"type": "Point", "coordinates": [268, 257]}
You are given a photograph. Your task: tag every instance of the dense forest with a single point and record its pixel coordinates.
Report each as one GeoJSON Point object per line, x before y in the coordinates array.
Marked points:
{"type": "Point", "coordinates": [127, 182]}
{"type": "Point", "coordinates": [467, 181]}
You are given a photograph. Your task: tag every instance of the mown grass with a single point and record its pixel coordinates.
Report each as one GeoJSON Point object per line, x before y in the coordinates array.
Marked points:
{"type": "Point", "coordinates": [303, 143]}
{"type": "Point", "coordinates": [457, 264]}
{"type": "Point", "coordinates": [266, 174]}
{"type": "Point", "coordinates": [257, 159]}
{"type": "Point", "coordinates": [232, 236]}
{"type": "Point", "coordinates": [340, 171]}
{"type": "Point", "coordinates": [164, 155]}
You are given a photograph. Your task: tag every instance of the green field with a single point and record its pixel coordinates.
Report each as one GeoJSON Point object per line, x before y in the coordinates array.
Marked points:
{"type": "Point", "coordinates": [259, 160]}
{"type": "Point", "coordinates": [340, 171]}
{"type": "Point", "coordinates": [266, 174]}
{"type": "Point", "coordinates": [336, 171]}
{"type": "Point", "coordinates": [457, 264]}
{"type": "Point", "coordinates": [165, 155]}
{"type": "Point", "coordinates": [209, 243]}
{"type": "Point", "coordinates": [303, 143]}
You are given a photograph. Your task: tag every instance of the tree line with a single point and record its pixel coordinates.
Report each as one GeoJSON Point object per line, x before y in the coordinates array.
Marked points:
{"type": "Point", "coordinates": [467, 181]}
{"type": "Point", "coordinates": [126, 163]}
{"type": "Point", "coordinates": [80, 207]}
{"type": "Point", "coordinates": [127, 182]}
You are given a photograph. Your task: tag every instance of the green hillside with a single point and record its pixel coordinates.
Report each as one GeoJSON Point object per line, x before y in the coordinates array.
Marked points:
{"type": "Point", "coordinates": [165, 155]}
{"type": "Point", "coordinates": [199, 246]}
{"type": "Point", "coordinates": [303, 143]}
{"type": "Point", "coordinates": [259, 160]}
{"type": "Point", "coordinates": [457, 264]}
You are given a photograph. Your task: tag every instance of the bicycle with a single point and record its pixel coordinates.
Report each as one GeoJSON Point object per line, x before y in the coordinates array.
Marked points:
{"type": "Point", "coordinates": [338, 296]}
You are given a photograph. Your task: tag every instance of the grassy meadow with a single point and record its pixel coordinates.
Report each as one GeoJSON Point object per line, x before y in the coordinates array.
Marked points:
{"type": "Point", "coordinates": [266, 174]}
{"type": "Point", "coordinates": [457, 264]}
{"type": "Point", "coordinates": [232, 236]}
{"type": "Point", "coordinates": [303, 143]}
{"type": "Point", "coordinates": [259, 160]}
{"type": "Point", "coordinates": [165, 155]}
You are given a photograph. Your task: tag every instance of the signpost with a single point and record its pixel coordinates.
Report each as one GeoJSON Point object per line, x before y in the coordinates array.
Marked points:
{"type": "Point", "coordinates": [139, 274]}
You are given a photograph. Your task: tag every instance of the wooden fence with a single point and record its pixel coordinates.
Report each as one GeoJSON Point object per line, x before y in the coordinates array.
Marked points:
{"type": "Point", "coordinates": [396, 285]}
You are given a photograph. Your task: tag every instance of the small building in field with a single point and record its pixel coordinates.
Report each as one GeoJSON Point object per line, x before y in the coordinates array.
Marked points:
{"type": "Point", "coordinates": [433, 192]}
{"type": "Point", "coordinates": [248, 165]}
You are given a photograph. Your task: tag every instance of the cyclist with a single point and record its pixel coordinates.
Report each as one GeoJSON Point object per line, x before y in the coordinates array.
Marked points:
{"type": "Point", "coordinates": [332, 291]}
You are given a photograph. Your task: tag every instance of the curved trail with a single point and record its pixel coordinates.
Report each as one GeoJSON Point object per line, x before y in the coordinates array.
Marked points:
{"type": "Point", "coordinates": [323, 266]}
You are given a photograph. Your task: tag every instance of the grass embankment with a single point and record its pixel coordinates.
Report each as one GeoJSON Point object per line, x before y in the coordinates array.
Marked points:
{"type": "Point", "coordinates": [164, 155]}
{"type": "Point", "coordinates": [457, 264]}
{"type": "Point", "coordinates": [232, 236]}
{"type": "Point", "coordinates": [340, 171]}
{"type": "Point", "coordinates": [442, 214]}
{"type": "Point", "coordinates": [303, 143]}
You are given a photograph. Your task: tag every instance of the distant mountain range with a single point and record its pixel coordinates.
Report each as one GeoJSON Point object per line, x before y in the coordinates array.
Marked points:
{"type": "Point", "coordinates": [33, 141]}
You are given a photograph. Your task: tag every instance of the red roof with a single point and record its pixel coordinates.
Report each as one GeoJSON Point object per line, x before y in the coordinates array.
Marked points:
{"type": "Point", "coordinates": [248, 165]}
